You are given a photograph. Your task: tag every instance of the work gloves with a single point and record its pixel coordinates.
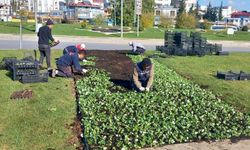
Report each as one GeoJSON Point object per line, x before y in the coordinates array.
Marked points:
{"type": "Point", "coordinates": [142, 89]}
{"type": "Point", "coordinates": [84, 60]}
{"type": "Point", "coordinates": [84, 70]}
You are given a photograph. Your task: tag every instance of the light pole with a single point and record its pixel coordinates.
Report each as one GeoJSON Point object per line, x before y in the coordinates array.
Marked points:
{"type": "Point", "coordinates": [121, 18]}
{"type": "Point", "coordinates": [115, 11]}
{"type": "Point", "coordinates": [35, 9]}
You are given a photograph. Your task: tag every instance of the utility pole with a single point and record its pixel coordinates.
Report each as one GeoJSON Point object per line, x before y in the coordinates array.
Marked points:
{"type": "Point", "coordinates": [121, 18]}
{"type": "Point", "coordinates": [115, 11]}
{"type": "Point", "coordinates": [135, 14]}
{"type": "Point", "coordinates": [20, 36]}
{"type": "Point", "coordinates": [35, 9]}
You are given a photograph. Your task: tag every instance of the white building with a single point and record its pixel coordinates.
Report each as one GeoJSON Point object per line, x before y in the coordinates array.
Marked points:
{"type": "Point", "coordinates": [98, 3]}
{"type": "Point", "coordinates": [5, 10]}
{"type": "Point", "coordinates": [190, 3]}
{"type": "Point", "coordinates": [45, 5]}
{"type": "Point", "coordinates": [227, 11]}
{"type": "Point", "coordinates": [163, 2]}
{"type": "Point", "coordinates": [165, 11]}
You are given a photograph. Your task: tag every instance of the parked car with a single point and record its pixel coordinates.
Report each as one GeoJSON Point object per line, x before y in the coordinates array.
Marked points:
{"type": "Point", "coordinates": [223, 27]}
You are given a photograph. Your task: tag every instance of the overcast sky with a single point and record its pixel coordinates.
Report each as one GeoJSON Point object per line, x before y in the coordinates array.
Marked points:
{"type": "Point", "coordinates": [237, 4]}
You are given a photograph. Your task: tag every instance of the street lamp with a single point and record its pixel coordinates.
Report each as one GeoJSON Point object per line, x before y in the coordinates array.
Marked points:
{"type": "Point", "coordinates": [35, 8]}
{"type": "Point", "coordinates": [121, 18]}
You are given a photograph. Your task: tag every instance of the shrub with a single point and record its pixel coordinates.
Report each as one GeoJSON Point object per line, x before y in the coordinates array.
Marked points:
{"type": "Point", "coordinates": [99, 20]}
{"type": "Point", "coordinates": [84, 24]}
{"type": "Point", "coordinates": [206, 25]}
{"type": "Point", "coordinates": [166, 22]}
{"type": "Point", "coordinates": [245, 28]}
{"type": "Point", "coordinates": [186, 21]}
{"type": "Point", "coordinates": [147, 20]}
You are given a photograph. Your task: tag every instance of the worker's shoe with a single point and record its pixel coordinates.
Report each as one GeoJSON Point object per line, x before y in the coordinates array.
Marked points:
{"type": "Point", "coordinates": [53, 73]}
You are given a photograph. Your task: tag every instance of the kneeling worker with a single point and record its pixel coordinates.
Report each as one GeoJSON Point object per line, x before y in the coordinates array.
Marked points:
{"type": "Point", "coordinates": [137, 48]}
{"type": "Point", "coordinates": [75, 49]}
{"type": "Point", "coordinates": [69, 64]}
{"type": "Point", "coordinates": [143, 75]}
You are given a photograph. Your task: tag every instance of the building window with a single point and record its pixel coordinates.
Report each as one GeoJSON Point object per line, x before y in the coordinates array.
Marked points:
{"type": "Point", "coordinates": [172, 13]}
{"type": "Point", "coordinates": [158, 12]}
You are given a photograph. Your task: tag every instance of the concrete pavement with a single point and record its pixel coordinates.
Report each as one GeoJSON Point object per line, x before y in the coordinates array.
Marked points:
{"type": "Point", "coordinates": [10, 42]}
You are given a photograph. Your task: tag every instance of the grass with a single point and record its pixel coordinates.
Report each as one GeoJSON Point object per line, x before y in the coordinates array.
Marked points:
{"type": "Point", "coordinates": [150, 33]}
{"type": "Point", "coordinates": [202, 70]}
{"type": "Point", "coordinates": [38, 123]}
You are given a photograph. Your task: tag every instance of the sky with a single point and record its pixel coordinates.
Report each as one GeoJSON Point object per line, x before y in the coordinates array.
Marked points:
{"type": "Point", "coordinates": [237, 4]}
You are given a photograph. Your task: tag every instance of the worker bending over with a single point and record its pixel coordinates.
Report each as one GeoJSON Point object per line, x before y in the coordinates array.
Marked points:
{"type": "Point", "coordinates": [75, 49]}
{"type": "Point", "coordinates": [137, 48]}
{"type": "Point", "coordinates": [143, 75]}
{"type": "Point", "coordinates": [69, 64]}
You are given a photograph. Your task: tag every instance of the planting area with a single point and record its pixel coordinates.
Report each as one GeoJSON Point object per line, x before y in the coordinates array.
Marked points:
{"type": "Point", "coordinates": [175, 111]}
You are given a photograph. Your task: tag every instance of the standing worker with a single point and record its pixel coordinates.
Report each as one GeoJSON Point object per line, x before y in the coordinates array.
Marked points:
{"type": "Point", "coordinates": [75, 49]}
{"type": "Point", "coordinates": [45, 37]}
{"type": "Point", "coordinates": [137, 48]}
{"type": "Point", "coordinates": [143, 75]}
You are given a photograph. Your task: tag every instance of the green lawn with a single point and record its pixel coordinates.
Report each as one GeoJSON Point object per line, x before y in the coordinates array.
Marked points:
{"type": "Point", "coordinates": [38, 123]}
{"type": "Point", "coordinates": [153, 33]}
{"type": "Point", "coordinates": [202, 70]}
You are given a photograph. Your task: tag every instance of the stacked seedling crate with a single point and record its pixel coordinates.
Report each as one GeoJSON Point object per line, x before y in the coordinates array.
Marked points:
{"type": "Point", "coordinates": [26, 71]}
{"type": "Point", "coordinates": [23, 68]}
{"type": "Point", "coordinates": [180, 44]}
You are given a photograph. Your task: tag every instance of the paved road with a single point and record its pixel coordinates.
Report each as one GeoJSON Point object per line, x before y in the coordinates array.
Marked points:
{"type": "Point", "coordinates": [10, 42]}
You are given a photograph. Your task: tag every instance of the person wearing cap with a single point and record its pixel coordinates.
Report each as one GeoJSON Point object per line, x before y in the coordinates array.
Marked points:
{"type": "Point", "coordinates": [68, 64]}
{"type": "Point", "coordinates": [143, 75]}
{"type": "Point", "coordinates": [44, 38]}
{"type": "Point", "coordinates": [75, 49]}
{"type": "Point", "coordinates": [137, 48]}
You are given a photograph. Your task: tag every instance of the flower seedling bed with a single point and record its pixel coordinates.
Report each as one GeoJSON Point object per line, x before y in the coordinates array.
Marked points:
{"type": "Point", "coordinates": [176, 111]}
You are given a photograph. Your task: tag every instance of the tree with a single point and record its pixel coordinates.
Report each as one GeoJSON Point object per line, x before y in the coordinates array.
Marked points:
{"type": "Point", "coordinates": [211, 14]}
{"type": "Point", "coordinates": [191, 10]}
{"type": "Point", "coordinates": [182, 8]}
{"type": "Point", "coordinates": [186, 21]}
{"type": "Point", "coordinates": [220, 11]}
{"type": "Point", "coordinates": [196, 11]}
{"type": "Point", "coordinates": [128, 10]}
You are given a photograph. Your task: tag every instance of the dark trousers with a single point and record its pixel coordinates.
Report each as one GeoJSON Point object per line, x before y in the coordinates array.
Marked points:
{"type": "Point", "coordinates": [65, 71]}
{"type": "Point", "coordinates": [44, 52]}
{"type": "Point", "coordinates": [139, 50]}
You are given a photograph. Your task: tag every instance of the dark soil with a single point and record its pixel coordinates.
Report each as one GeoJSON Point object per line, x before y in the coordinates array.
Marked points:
{"type": "Point", "coordinates": [116, 63]}
{"type": "Point", "coordinates": [77, 131]}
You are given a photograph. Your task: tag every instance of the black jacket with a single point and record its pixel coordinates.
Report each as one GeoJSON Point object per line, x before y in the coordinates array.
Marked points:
{"type": "Point", "coordinates": [44, 35]}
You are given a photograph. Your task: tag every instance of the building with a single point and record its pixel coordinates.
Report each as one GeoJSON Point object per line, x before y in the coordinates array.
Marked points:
{"type": "Point", "coordinates": [163, 2]}
{"type": "Point", "coordinates": [189, 4]}
{"type": "Point", "coordinates": [83, 11]}
{"type": "Point", "coordinates": [239, 19]}
{"type": "Point", "coordinates": [5, 10]}
{"type": "Point", "coordinates": [98, 3]}
{"type": "Point", "coordinates": [227, 11]}
{"type": "Point", "coordinates": [45, 6]}
{"type": "Point", "coordinates": [165, 11]}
